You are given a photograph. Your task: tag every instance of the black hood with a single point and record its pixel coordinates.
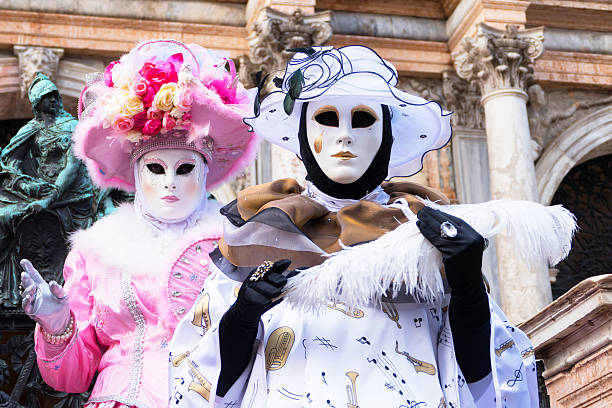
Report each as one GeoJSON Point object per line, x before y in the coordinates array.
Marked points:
{"type": "Point", "coordinates": [373, 176]}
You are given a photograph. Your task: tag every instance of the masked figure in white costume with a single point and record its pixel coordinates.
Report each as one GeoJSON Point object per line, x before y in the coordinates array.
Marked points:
{"type": "Point", "coordinates": [376, 324]}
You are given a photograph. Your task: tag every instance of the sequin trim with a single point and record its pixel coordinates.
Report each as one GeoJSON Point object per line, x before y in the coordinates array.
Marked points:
{"type": "Point", "coordinates": [171, 297]}
{"type": "Point", "coordinates": [128, 295]}
{"type": "Point", "coordinates": [206, 146]}
{"type": "Point", "coordinates": [120, 399]}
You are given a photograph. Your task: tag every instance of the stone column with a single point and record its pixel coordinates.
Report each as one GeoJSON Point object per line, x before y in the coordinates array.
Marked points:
{"type": "Point", "coordinates": [500, 62]}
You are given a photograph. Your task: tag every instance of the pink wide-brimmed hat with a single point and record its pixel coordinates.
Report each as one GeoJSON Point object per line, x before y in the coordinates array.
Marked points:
{"type": "Point", "coordinates": [163, 94]}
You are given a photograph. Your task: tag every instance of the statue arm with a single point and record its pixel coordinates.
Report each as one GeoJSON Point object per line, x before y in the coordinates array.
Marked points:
{"type": "Point", "coordinates": [68, 175]}
{"type": "Point", "coordinates": [51, 192]}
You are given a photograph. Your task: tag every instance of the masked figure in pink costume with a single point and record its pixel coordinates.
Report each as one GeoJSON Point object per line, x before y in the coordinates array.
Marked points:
{"type": "Point", "coordinates": [164, 121]}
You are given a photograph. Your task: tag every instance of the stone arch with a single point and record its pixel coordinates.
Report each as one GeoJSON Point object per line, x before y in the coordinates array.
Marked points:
{"type": "Point", "coordinates": [570, 148]}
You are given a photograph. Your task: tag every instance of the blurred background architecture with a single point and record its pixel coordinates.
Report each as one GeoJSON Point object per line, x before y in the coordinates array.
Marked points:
{"type": "Point", "coordinates": [530, 82]}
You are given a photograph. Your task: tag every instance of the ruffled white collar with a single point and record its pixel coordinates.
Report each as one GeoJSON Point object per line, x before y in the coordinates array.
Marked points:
{"type": "Point", "coordinates": [124, 240]}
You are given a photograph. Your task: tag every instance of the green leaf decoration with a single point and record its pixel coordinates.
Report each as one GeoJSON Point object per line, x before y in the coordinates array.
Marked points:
{"type": "Point", "coordinates": [288, 104]}
{"type": "Point", "coordinates": [295, 84]}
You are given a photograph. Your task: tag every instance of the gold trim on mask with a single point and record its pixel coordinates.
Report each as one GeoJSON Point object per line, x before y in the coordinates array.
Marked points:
{"type": "Point", "coordinates": [365, 109]}
{"type": "Point", "coordinates": [323, 109]}
{"type": "Point", "coordinates": [318, 143]}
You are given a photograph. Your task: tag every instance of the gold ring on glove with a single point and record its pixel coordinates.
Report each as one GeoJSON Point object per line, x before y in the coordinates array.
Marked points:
{"type": "Point", "coordinates": [261, 271]}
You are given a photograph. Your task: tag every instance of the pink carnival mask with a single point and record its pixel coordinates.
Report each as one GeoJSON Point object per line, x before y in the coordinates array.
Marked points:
{"type": "Point", "coordinates": [172, 182]}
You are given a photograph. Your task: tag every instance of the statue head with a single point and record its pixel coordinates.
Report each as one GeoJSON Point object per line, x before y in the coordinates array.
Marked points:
{"type": "Point", "coordinates": [50, 103]}
{"type": "Point", "coordinates": [44, 96]}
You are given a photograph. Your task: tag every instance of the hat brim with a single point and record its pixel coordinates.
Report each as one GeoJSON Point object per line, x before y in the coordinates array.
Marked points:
{"type": "Point", "coordinates": [418, 125]}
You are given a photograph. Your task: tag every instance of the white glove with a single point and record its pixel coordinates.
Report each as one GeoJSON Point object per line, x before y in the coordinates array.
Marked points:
{"type": "Point", "coordinates": [46, 303]}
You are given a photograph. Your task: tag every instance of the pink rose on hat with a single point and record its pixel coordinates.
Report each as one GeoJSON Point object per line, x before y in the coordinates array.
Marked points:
{"type": "Point", "coordinates": [183, 100]}
{"type": "Point", "coordinates": [123, 123]}
{"type": "Point", "coordinates": [168, 122]}
{"type": "Point", "coordinates": [152, 127]}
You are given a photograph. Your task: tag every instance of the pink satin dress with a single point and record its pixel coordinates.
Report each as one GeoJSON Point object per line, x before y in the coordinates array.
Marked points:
{"type": "Point", "coordinates": [128, 289]}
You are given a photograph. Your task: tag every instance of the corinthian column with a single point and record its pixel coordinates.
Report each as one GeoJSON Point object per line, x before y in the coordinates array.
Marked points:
{"type": "Point", "coordinates": [501, 62]}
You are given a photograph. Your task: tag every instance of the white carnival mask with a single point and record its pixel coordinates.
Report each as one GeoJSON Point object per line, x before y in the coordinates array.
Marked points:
{"type": "Point", "coordinates": [172, 182]}
{"type": "Point", "coordinates": [344, 136]}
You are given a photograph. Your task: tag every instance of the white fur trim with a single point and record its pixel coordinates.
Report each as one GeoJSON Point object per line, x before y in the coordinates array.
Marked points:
{"type": "Point", "coordinates": [362, 274]}
{"type": "Point", "coordinates": [123, 240]}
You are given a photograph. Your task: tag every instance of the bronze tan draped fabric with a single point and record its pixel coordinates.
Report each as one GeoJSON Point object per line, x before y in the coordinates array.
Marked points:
{"type": "Point", "coordinates": [274, 221]}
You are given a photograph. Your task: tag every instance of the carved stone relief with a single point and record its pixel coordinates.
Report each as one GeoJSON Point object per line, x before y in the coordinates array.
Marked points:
{"type": "Point", "coordinates": [244, 180]}
{"type": "Point", "coordinates": [438, 165]}
{"type": "Point", "coordinates": [554, 110]}
{"type": "Point", "coordinates": [463, 98]}
{"type": "Point", "coordinates": [36, 59]}
{"type": "Point", "coordinates": [453, 94]}
{"type": "Point", "coordinates": [426, 88]}
{"type": "Point", "coordinates": [274, 33]}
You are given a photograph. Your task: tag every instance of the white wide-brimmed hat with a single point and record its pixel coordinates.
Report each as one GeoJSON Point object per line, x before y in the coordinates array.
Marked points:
{"type": "Point", "coordinates": [359, 73]}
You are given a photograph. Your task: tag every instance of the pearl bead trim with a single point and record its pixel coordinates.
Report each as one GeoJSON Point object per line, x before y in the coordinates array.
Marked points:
{"type": "Point", "coordinates": [60, 338]}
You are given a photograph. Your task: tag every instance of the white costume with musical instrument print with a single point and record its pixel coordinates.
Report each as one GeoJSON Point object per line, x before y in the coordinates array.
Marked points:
{"type": "Point", "coordinates": [397, 355]}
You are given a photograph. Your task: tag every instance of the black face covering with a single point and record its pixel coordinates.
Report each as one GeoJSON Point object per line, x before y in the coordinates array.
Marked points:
{"type": "Point", "coordinates": [373, 176]}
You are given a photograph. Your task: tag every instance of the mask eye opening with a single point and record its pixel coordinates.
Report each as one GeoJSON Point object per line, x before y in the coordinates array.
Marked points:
{"type": "Point", "coordinates": [156, 168]}
{"type": "Point", "coordinates": [327, 116]}
{"type": "Point", "coordinates": [185, 169]}
{"type": "Point", "coordinates": [363, 117]}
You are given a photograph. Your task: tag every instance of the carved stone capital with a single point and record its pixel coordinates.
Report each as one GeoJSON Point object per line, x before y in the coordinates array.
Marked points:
{"type": "Point", "coordinates": [36, 59]}
{"type": "Point", "coordinates": [497, 59]}
{"type": "Point", "coordinates": [274, 33]}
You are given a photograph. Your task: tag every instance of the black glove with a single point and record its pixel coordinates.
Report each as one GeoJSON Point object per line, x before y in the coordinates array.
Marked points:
{"type": "Point", "coordinates": [462, 255]}
{"type": "Point", "coordinates": [238, 326]}
{"type": "Point", "coordinates": [469, 313]}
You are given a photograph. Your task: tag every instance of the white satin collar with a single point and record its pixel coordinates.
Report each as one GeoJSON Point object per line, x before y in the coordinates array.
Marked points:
{"type": "Point", "coordinates": [334, 204]}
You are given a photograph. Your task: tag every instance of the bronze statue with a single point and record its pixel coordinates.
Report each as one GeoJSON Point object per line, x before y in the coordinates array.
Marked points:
{"type": "Point", "coordinates": [45, 191]}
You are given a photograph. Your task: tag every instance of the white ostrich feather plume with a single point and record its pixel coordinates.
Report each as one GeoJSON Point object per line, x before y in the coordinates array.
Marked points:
{"type": "Point", "coordinates": [362, 274]}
